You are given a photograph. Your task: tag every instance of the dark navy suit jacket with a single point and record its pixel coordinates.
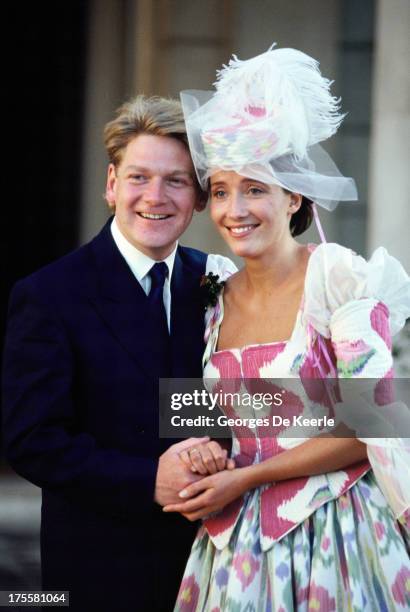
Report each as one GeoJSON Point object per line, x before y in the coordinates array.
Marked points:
{"type": "Point", "coordinates": [81, 421]}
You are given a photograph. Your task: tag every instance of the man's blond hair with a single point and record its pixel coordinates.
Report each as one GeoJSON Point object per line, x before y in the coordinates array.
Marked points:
{"type": "Point", "coordinates": [143, 115]}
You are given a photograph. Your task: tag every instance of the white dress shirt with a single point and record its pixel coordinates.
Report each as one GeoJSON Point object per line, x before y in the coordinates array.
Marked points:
{"type": "Point", "coordinates": [140, 265]}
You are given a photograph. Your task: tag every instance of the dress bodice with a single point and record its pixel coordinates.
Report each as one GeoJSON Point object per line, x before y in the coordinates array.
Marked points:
{"type": "Point", "coordinates": [255, 369]}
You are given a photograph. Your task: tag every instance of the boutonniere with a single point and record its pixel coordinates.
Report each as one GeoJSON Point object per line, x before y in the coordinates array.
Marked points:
{"type": "Point", "coordinates": [210, 288]}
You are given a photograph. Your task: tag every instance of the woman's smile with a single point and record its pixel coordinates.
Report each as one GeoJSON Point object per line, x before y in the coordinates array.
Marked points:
{"type": "Point", "coordinates": [241, 231]}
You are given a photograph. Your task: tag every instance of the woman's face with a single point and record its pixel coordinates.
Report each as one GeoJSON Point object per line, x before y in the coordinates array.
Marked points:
{"type": "Point", "coordinates": [252, 217]}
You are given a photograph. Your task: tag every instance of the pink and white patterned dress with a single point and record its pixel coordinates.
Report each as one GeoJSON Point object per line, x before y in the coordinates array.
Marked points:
{"type": "Point", "coordinates": [325, 542]}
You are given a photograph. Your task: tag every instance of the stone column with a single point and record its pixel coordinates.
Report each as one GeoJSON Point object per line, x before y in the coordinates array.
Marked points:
{"type": "Point", "coordinates": [389, 206]}
{"type": "Point", "coordinates": [103, 93]}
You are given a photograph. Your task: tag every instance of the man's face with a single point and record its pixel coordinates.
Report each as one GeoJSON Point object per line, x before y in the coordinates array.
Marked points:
{"type": "Point", "coordinates": [154, 193]}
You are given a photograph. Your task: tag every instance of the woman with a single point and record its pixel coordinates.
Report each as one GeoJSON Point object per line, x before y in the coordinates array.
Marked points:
{"type": "Point", "coordinates": [299, 523]}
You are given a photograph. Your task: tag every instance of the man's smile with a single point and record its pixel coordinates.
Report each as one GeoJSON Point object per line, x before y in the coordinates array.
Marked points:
{"type": "Point", "coordinates": [152, 216]}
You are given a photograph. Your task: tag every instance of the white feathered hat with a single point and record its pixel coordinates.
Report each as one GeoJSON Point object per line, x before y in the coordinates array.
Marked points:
{"type": "Point", "coordinates": [265, 120]}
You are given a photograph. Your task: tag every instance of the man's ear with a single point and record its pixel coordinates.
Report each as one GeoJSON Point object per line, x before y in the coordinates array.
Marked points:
{"type": "Point", "coordinates": [111, 184]}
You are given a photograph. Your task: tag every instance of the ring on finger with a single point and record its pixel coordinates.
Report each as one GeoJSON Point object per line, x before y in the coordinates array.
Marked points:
{"type": "Point", "coordinates": [193, 450]}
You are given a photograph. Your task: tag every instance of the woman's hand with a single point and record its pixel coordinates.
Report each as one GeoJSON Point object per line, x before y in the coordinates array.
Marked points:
{"type": "Point", "coordinates": [207, 458]}
{"type": "Point", "coordinates": [210, 494]}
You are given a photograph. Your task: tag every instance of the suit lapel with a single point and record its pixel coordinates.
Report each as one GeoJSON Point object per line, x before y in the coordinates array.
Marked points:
{"type": "Point", "coordinates": [122, 303]}
{"type": "Point", "coordinates": [187, 320]}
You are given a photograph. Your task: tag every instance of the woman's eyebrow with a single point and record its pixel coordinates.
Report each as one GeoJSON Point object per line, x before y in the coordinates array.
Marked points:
{"type": "Point", "coordinates": [217, 184]}
{"type": "Point", "coordinates": [251, 180]}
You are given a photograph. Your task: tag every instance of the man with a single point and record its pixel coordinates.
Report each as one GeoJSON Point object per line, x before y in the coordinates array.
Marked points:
{"type": "Point", "coordinates": [87, 341]}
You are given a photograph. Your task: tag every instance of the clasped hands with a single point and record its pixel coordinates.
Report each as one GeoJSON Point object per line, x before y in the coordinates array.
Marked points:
{"type": "Point", "coordinates": [195, 478]}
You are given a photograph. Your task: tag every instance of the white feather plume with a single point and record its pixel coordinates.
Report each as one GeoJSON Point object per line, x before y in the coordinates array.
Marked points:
{"type": "Point", "coordinates": [289, 86]}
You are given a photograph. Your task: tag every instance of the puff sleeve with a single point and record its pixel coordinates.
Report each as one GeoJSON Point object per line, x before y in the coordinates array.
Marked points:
{"type": "Point", "coordinates": [360, 305]}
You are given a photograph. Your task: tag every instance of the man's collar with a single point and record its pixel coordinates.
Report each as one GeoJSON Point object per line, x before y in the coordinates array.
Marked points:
{"type": "Point", "coordinates": [139, 263]}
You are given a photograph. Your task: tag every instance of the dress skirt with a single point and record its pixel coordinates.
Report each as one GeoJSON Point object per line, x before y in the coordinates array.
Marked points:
{"type": "Point", "coordinates": [349, 555]}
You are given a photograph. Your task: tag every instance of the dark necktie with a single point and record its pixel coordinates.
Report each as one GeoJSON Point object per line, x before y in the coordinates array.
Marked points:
{"type": "Point", "coordinates": [161, 340]}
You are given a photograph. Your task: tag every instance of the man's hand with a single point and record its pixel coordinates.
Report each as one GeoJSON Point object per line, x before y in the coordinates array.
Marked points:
{"type": "Point", "coordinates": [173, 475]}
{"type": "Point", "coordinates": [207, 458]}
